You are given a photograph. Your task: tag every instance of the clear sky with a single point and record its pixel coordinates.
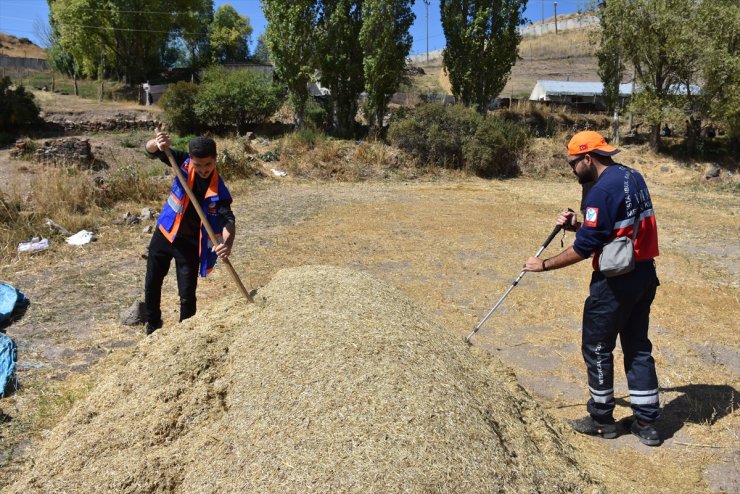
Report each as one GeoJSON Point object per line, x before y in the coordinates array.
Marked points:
{"type": "Point", "coordinates": [20, 17]}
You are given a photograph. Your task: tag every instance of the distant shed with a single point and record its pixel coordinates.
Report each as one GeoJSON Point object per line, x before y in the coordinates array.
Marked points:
{"type": "Point", "coordinates": [588, 95]}
{"type": "Point", "coordinates": [578, 94]}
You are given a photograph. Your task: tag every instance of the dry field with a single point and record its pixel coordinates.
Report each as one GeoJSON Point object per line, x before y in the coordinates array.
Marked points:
{"type": "Point", "coordinates": [453, 247]}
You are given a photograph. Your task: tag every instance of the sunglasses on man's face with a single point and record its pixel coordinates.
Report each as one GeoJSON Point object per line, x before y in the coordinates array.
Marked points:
{"type": "Point", "coordinates": [575, 161]}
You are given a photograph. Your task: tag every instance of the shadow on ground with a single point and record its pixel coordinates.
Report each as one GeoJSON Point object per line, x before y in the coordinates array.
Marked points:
{"type": "Point", "coordinates": [698, 404]}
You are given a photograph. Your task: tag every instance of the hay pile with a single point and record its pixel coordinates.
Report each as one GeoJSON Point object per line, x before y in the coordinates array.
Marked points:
{"type": "Point", "coordinates": [333, 382]}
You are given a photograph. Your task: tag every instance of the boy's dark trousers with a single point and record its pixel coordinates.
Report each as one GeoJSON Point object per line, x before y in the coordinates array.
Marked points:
{"type": "Point", "coordinates": [161, 252]}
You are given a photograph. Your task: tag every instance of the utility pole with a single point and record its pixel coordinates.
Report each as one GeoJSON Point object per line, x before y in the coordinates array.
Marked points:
{"type": "Point", "coordinates": [426, 2]}
{"type": "Point", "coordinates": [555, 7]}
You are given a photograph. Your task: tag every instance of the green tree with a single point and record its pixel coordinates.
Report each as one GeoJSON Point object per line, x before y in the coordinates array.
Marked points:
{"type": "Point", "coordinates": [192, 29]}
{"type": "Point", "coordinates": [131, 36]}
{"type": "Point", "coordinates": [261, 53]}
{"type": "Point", "coordinates": [291, 39]}
{"type": "Point", "coordinates": [482, 46]}
{"type": "Point", "coordinates": [720, 66]}
{"type": "Point", "coordinates": [386, 42]}
{"type": "Point", "coordinates": [340, 59]}
{"type": "Point", "coordinates": [659, 38]}
{"type": "Point", "coordinates": [611, 69]}
{"type": "Point", "coordinates": [229, 35]}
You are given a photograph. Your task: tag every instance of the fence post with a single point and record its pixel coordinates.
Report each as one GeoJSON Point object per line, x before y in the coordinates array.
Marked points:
{"type": "Point", "coordinates": [616, 127]}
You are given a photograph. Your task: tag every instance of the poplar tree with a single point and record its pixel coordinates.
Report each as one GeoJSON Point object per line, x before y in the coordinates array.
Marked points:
{"type": "Point", "coordinates": [482, 46]}
{"type": "Point", "coordinates": [386, 42]}
{"type": "Point", "coordinates": [291, 40]}
{"type": "Point", "coordinates": [340, 60]}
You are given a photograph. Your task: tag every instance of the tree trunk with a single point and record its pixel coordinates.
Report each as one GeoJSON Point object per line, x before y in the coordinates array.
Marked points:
{"type": "Point", "coordinates": [654, 137]}
{"type": "Point", "coordinates": [377, 128]}
{"type": "Point", "coordinates": [74, 81]}
{"type": "Point", "coordinates": [693, 129]}
{"type": "Point", "coordinates": [298, 119]}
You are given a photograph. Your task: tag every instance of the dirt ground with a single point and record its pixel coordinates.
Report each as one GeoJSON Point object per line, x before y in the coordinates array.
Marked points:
{"type": "Point", "coordinates": [454, 247]}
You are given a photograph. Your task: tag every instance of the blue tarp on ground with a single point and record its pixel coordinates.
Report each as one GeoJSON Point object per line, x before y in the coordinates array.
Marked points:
{"type": "Point", "coordinates": [10, 296]}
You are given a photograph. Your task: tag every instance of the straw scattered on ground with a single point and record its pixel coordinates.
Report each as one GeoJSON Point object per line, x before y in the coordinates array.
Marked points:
{"type": "Point", "coordinates": [333, 382]}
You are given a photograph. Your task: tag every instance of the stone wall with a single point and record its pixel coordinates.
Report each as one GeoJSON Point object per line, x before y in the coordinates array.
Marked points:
{"type": "Point", "coordinates": [120, 122]}
{"type": "Point", "coordinates": [68, 151]}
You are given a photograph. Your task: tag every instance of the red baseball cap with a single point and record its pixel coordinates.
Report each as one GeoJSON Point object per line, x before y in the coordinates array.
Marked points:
{"type": "Point", "coordinates": [589, 141]}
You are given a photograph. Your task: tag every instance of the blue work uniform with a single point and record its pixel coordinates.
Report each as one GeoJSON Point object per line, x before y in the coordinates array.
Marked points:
{"type": "Point", "coordinates": [619, 306]}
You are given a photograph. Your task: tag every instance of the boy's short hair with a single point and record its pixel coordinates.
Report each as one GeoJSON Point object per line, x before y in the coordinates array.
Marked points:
{"type": "Point", "coordinates": [202, 147]}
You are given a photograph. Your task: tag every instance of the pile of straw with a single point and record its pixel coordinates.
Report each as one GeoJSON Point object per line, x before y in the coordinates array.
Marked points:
{"type": "Point", "coordinates": [333, 382]}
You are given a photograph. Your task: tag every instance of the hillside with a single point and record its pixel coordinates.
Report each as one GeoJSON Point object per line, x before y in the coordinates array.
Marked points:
{"type": "Point", "coordinates": [568, 55]}
{"type": "Point", "coordinates": [10, 46]}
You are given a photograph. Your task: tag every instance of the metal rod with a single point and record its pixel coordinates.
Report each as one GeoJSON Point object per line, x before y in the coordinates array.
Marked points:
{"type": "Point", "coordinates": [515, 283]}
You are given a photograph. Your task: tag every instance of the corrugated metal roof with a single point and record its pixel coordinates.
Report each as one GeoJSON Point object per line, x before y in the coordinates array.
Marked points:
{"type": "Point", "coordinates": [575, 88]}
{"type": "Point", "coordinates": [545, 90]}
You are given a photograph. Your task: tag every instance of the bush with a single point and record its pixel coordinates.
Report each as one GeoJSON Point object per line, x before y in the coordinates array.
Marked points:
{"type": "Point", "coordinates": [494, 149]}
{"type": "Point", "coordinates": [178, 103]}
{"type": "Point", "coordinates": [435, 134]}
{"type": "Point", "coordinates": [18, 110]}
{"type": "Point", "coordinates": [236, 99]}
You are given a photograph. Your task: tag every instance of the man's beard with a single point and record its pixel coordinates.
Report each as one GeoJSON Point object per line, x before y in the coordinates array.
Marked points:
{"type": "Point", "coordinates": [585, 177]}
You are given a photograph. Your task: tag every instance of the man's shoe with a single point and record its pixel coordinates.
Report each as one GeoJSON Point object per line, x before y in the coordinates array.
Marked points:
{"type": "Point", "coordinates": [152, 327]}
{"type": "Point", "coordinates": [646, 433]}
{"type": "Point", "coordinates": [588, 425]}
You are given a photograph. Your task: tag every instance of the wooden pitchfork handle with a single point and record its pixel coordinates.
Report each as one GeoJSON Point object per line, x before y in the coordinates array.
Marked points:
{"type": "Point", "coordinates": [211, 234]}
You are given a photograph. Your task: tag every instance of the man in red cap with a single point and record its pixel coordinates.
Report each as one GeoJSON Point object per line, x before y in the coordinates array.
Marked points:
{"type": "Point", "coordinates": [617, 202]}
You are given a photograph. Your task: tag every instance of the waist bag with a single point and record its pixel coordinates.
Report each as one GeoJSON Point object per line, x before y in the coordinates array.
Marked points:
{"type": "Point", "coordinates": [618, 255]}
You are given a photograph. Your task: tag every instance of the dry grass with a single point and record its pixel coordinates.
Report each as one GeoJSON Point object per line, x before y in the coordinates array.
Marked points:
{"type": "Point", "coordinates": [60, 103]}
{"type": "Point", "coordinates": [72, 198]}
{"type": "Point", "coordinates": [313, 155]}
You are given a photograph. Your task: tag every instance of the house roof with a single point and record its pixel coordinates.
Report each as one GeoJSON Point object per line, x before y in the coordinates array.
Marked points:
{"type": "Point", "coordinates": [546, 90]}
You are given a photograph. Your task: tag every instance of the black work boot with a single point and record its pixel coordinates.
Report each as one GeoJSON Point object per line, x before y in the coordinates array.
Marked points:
{"type": "Point", "coordinates": [590, 426]}
{"type": "Point", "coordinates": [152, 327]}
{"type": "Point", "coordinates": [645, 432]}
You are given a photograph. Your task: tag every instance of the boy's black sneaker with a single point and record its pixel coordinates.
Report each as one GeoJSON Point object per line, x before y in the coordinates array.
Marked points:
{"type": "Point", "coordinates": [590, 426]}
{"type": "Point", "coordinates": [152, 327]}
{"type": "Point", "coordinates": [646, 433]}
